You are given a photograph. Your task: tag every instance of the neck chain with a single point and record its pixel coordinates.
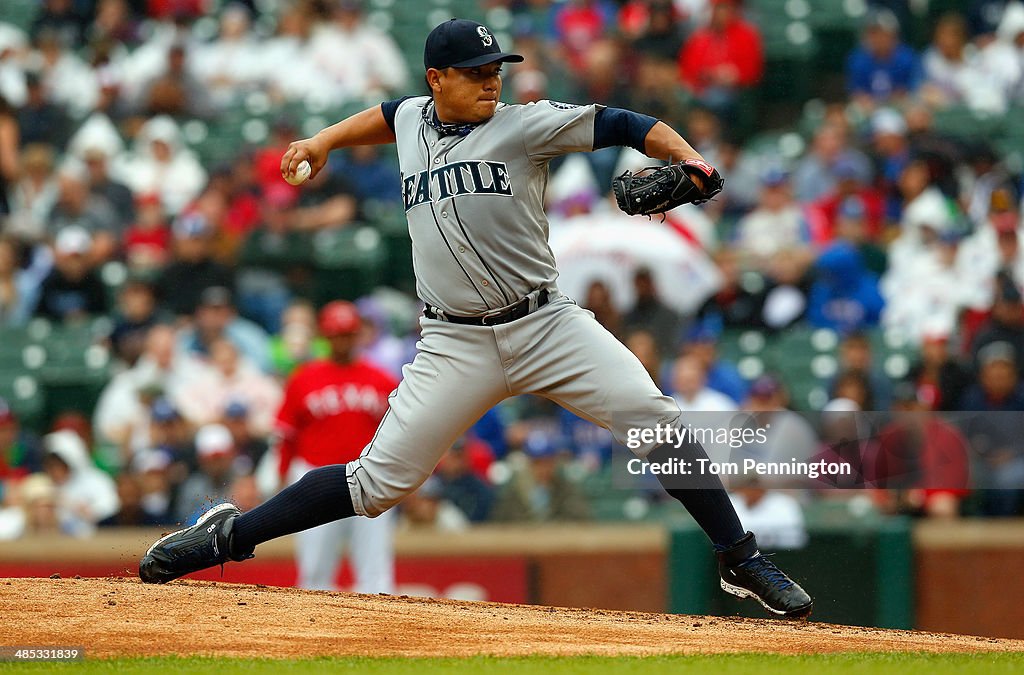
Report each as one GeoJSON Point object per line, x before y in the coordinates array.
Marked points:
{"type": "Point", "coordinates": [446, 128]}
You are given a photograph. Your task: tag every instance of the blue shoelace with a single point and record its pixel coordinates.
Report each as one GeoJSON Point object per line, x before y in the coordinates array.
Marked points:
{"type": "Point", "coordinates": [765, 568]}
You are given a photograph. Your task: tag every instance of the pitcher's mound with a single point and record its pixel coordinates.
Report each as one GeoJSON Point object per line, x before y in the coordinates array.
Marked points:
{"type": "Point", "coordinates": [122, 617]}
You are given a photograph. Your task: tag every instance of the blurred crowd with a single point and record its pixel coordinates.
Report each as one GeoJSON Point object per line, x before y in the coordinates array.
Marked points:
{"type": "Point", "coordinates": [879, 222]}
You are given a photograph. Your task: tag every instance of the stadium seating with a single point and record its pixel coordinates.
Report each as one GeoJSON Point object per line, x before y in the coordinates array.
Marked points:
{"type": "Point", "coordinates": [23, 393]}
{"type": "Point", "coordinates": [790, 49]}
{"type": "Point", "coordinates": [806, 359]}
{"type": "Point", "coordinates": [348, 263]}
{"type": "Point", "coordinates": [962, 122]}
{"type": "Point", "coordinates": [1011, 141]}
{"type": "Point", "coordinates": [394, 231]}
{"type": "Point", "coordinates": [19, 13]}
{"type": "Point", "coordinates": [47, 369]}
{"type": "Point", "coordinates": [892, 352]}
{"type": "Point", "coordinates": [77, 367]}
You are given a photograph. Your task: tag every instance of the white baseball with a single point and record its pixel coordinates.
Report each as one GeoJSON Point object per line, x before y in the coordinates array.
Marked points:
{"type": "Point", "coordinates": [301, 174]}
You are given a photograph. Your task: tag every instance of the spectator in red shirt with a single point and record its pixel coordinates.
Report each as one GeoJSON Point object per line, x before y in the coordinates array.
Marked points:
{"type": "Point", "coordinates": [330, 412]}
{"type": "Point", "coordinates": [922, 458]}
{"type": "Point", "coordinates": [939, 377]}
{"type": "Point", "coordinates": [176, 9]}
{"type": "Point", "coordinates": [579, 24]}
{"type": "Point", "coordinates": [823, 214]}
{"type": "Point", "coordinates": [20, 452]}
{"type": "Point", "coordinates": [266, 162]}
{"type": "Point", "coordinates": [235, 187]}
{"type": "Point", "coordinates": [722, 58]}
{"type": "Point", "coordinates": [147, 243]}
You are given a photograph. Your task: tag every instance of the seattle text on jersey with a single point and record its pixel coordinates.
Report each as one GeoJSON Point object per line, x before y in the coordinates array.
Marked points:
{"type": "Point", "coordinates": [468, 177]}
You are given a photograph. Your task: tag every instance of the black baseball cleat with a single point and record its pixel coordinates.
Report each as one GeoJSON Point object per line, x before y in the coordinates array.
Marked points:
{"type": "Point", "coordinates": [748, 574]}
{"type": "Point", "coordinates": [195, 548]}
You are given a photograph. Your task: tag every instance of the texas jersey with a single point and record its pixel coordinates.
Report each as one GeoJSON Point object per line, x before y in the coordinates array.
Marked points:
{"type": "Point", "coordinates": [330, 411]}
{"type": "Point", "coordinates": [475, 202]}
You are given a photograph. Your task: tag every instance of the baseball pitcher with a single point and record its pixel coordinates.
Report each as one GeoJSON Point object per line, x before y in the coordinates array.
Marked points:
{"type": "Point", "coordinates": [494, 325]}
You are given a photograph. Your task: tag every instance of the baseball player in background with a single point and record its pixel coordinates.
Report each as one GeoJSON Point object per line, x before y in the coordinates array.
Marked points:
{"type": "Point", "coordinates": [330, 410]}
{"type": "Point", "coordinates": [474, 172]}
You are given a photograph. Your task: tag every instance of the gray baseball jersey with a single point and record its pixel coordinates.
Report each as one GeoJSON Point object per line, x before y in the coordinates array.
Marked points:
{"type": "Point", "coordinates": [475, 203]}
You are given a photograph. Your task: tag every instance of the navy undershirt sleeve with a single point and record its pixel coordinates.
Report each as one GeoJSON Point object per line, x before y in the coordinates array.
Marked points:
{"type": "Point", "coordinates": [615, 126]}
{"type": "Point", "coordinates": [390, 109]}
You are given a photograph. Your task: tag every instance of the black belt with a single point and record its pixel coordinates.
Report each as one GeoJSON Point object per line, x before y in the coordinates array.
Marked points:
{"type": "Point", "coordinates": [516, 311]}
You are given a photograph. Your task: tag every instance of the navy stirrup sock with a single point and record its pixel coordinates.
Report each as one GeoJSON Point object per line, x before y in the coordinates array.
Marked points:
{"type": "Point", "coordinates": [714, 513]}
{"type": "Point", "coordinates": [321, 496]}
{"type": "Point", "coordinates": [704, 496]}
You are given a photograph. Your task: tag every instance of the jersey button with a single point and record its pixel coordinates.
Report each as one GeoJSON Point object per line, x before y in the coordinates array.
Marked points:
{"type": "Point", "coordinates": [485, 283]}
{"type": "Point", "coordinates": [444, 214]}
{"type": "Point", "coordinates": [462, 249]}
{"type": "Point", "coordinates": [437, 160]}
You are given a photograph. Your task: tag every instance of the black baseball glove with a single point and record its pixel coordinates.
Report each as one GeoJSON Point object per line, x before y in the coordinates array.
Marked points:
{"type": "Point", "coordinates": [661, 189]}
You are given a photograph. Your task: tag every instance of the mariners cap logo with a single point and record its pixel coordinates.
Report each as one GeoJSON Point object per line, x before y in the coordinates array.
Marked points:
{"type": "Point", "coordinates": [485, 36]}
{"type": "Point", "coordinates": [461, 43]}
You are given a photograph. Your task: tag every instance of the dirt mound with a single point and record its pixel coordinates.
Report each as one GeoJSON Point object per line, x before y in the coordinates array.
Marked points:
{"type": "Point", "coordinates": [122, 617]}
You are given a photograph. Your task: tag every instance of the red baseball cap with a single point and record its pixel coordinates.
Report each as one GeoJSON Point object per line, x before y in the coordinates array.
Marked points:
{"type": "Point", "coordinates": [339, 318]}
{"type": "Point", "coordinates": [1004, 222]}
{"type": "Point", "coordinates": [6, 414]}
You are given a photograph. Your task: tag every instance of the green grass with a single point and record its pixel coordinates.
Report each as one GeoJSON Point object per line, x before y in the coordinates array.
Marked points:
{"type": "Point", "coordinates": [727, 664]}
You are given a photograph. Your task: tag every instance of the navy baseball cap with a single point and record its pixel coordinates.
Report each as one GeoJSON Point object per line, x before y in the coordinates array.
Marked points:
{"type": "Point", "coordinates": [540, 444]}
{"type": "Point", "coordinates": [163, 411]}
{"type": "Point", "coordinates": [236, 409]}
{"type": "Point", "coordinates": [461, 43]}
